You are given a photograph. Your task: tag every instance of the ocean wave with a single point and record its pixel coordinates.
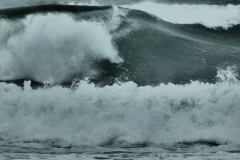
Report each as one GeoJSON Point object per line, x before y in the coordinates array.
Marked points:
{"type": "Point", "coordinates": [211, 16]}
{"type": "Point", "coordinates": [122, 114]}
{"type": "Point", "coordinates": [23, 11]}
{"type": "Point", "coordinates": [99, 39]}
{"type": "Point", "coordinates": [54, 47]}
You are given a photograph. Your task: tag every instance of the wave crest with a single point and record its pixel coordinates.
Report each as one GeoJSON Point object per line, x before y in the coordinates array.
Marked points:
{"type": "Point", "coordinates": [211, 16]}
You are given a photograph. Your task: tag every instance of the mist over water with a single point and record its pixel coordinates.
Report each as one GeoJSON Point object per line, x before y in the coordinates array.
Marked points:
{"type": "Point", "coordinates": [105, 79]}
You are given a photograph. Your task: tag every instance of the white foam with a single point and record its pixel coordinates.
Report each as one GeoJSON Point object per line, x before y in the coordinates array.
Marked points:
{"type": "Point", "coordinates": [90, 3]}
{"type": "Point", "coordinates": [211, 16]}
{"type": "Point", "coordinates": [122, 114]}
{"type": "Point", "coordinates": [56, 47]}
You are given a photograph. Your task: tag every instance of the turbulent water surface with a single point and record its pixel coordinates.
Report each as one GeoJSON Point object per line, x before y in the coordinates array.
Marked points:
{"type": "Point", "coordinates": [119, 79]}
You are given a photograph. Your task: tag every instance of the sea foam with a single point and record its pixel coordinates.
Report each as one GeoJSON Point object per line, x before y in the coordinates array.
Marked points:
{"type": "Point", "coordinates": [121, 114]}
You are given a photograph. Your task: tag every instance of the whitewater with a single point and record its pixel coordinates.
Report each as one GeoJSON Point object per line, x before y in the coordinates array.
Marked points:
{"type": "Point", "coordinates": [119, 80]}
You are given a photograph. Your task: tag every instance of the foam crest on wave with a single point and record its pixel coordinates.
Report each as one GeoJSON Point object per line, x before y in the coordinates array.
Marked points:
{"type": "Point", "coordinates": [90, 3]}
{"type": "Point", "coordinates": [211, 16]}
{"type": "Point", "coordinates": [121, 114]}
{"type": "Point", "coordinates": [56, 47]}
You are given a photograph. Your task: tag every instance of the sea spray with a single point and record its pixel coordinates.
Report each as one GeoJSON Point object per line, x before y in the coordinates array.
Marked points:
{"type": "Point", "coordinates": [56, 47]}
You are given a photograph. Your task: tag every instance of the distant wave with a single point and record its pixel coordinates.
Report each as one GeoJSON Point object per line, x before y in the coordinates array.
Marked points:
{"type": "Point", "coordinates": [211, 16]}
{"type": "Point", "coordinates": [89, 3]}
{"type": "Point", "coordinates": [19, 12]}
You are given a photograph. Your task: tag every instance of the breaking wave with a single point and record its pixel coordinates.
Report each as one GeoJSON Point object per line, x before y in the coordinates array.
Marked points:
{"type": "Point", "coordinates": [122, 114]}
{"type": "Point", "coordinates": [106, 44]}
{"type": "Point", "coordinates": [54, 47]}
{"type": "Point", "coordinates": [211, 16]}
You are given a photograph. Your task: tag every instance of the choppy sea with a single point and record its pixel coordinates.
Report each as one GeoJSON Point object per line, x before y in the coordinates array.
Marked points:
{"type": "Point", "coordinates": [119, 79]}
